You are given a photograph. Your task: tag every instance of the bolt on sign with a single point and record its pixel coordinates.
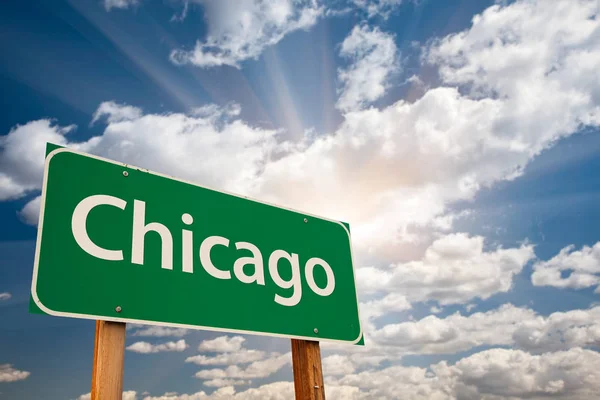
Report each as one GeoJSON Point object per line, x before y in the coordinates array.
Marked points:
{"type": "Point", "coordinates": [120, 243]}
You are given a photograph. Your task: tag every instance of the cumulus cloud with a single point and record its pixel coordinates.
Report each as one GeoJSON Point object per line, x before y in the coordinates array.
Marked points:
{"type": "Point", "coordinates": [271, 391]}
{"type": "Point", "coordinates": [582, 268]}
{"type": "Point", "coordinates": [5, 296]}
{"type": "Point", "coordinates": [257, 369]}
{"type": "Point", "coordinates": [508, 325]}
{"type": "Point", "coordinates": [160, 331]}
{"type": "Point", "coordinates": [373, 59]}
{"type": "Point", "coordinates": [147, 348]}
{"type": "Point", "coordinates": [382, 8]}
{"type": "Point", "coordinates": [127, 395]}
{"type": "Point", "coordinates": [222, 344]}
{"type": "Point", "coordinates": [30, 214]}
{"type": "Point", "coordinates": [115, 112]}
{"type": "Point", "coordinates": [513, 373]}
{"type": "Point", "coordinates": [22, 154]}
{"type": "Point", "coordinates": [373, 309]}
{"type": "Point", "coordinates": [242, 356]}
{"type": "Point", "coordinates": [225, 382]}
{"type": "Point", "coordinates": [337, 364]}
{"type": "Point", "coordinates": [121, 4]}
{"type": "Point", "coordinates": [454, 269]}
{"type": "Point", "coordinates": [493, 374]}
{"type": "Point", "coordinates": [9, 374]}
{"type": "Point", "coordinates": [200, 146]}
{"type": "Point", "coordinates": [241, 30]}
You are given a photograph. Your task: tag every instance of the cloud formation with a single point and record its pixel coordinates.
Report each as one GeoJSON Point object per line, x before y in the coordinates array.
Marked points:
{"type": "Point", "coordinates": [239, 30]}
{"type": "Point", "coordinates": [373, 59]}
{"type": "Point", "coordinates": [257, 369]}
{"type": "Point", "coordinates": [121, 4]}
{"type": "Point", "coordinates": [222, 344]}
{"type": "Point", "coordinates": [148, 348]}
{"type": "Point", "coordinates": [9, 374]}
{"type": "Point", "coordinates": [494, 374]}
{"type": "Point", "coordinates": [127, 395]}
{"type": "Point", "coordinates": [454, 269]}
{"type": "Point", "coordinates": [160, 331]}
{"type": "Point", "coordinates": [582, 268]}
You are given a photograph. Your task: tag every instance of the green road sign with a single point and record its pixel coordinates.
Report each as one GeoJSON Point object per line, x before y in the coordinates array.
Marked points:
{"type": "Point", "coordinates": [120, 243]}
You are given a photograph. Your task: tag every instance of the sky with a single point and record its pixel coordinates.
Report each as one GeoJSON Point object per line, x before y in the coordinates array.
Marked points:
{"type": "Point", "coordinates": [458, 138]}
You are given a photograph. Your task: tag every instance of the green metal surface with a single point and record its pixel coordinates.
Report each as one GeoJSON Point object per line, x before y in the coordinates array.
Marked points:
{"type": "Point", "coordinates": [68, 281]}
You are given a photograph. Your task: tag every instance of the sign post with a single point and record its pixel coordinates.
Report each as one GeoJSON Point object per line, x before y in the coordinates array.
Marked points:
{"type": "Point", "coordinates": [308, 372]}
{"type": "Point", "coordinates": [109, 349]}
{"type": "Point", "coordinates": [121, 244]}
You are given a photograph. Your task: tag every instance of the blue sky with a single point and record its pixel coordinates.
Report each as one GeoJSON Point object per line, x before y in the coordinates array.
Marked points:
{"type": "Point", "coordinates": [458, 138]}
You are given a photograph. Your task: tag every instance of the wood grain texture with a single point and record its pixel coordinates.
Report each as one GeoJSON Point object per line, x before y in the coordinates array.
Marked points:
{"type": "Point", "coordinates": [109, 353]}
{"type": "Point", "coordinates": [308, 372]}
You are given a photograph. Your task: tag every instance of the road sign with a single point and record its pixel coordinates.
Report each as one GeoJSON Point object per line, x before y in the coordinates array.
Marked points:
{"type": "Point", "coordinates": [121, 243]}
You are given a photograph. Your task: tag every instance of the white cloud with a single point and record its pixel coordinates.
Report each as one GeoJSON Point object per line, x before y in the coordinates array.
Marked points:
{"type": "Point", "coordinates": [160, 331]}
{"type": "Point", "coordinates": [30, 214]}
{"type": "Point", "coordinates": [454, 269]}
{"type": "Point", "coordinates": [492, 374]}
{"type": "Point", "coordinates": [547, 48]}
{"type": "Point", "coordinates": [257, 369]}
{"type": "Point", "coordinates": [582, 268]}
{"type": "Point", "coordinates": [222, 344]}
{"type": "Point", "coordinates": [560, 330]}
{"type": "Point", "coordinates": [513, 373]}
{"type": "Point", "coordinates": [242, 356]}
{"type": "Point", "coordinates": [270, 391]}
{"type": "Point", "coordinates": [22, 156]}
{"type": "Point", "coordinates": [373, 309]}
{"type": "Point", "coordinates": [375, 8]}
{"type": "Point", "coordinates": [127, 395]}
{"type": "Point", "coordinates": [506, 326]}
{"type": "Point", "coordinates": [122, 4]}
{"type": "Point", "coordinates": [116, 112]}
{"type": "Point", "coordinates": [239, 30]}
{"type": "Point", "coordinates": [433, 335]}
{"type": "Point", "coordinates": [9, 374]}
{"type": "Point", "coordinates": [336, 364]}
{"type": "Point", "coordinates": [5, 296]}
{"type": "Point", "coordinates": [225, 382]}
{"type": "Point", "coordinates": [199, 145]}
{"type": "Point", "coordinates": [373, 56]}
{"type": "Point", "coordinates": [147, 348]}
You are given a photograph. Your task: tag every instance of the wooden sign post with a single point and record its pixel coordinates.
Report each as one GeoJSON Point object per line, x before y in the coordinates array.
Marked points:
{"type": "Point", "coordinates": [109, 352]}
{"type": "Point", "coordinates": [308, 372]}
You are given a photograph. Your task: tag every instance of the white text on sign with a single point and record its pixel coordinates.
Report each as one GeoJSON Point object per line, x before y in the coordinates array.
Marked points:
{"type": "Point", "coordinates": [141, 228]}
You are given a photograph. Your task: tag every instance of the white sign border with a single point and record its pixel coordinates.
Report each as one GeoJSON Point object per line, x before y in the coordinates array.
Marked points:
{"type": "Point", "coordinates": [37, 301]}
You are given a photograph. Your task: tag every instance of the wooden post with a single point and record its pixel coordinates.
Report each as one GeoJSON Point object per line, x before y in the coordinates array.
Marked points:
{"type": "Point", "coordinates": [109, 352]}
{"type": "Point", "coordinates": [308, 373]}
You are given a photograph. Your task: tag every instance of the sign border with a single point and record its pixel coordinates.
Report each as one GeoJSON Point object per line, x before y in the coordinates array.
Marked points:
{"type": "Point", "coordinates": [167, 324]}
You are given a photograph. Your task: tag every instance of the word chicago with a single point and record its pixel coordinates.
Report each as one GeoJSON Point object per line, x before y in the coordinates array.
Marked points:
{"type": "Point", "coordinates": [141, 228]}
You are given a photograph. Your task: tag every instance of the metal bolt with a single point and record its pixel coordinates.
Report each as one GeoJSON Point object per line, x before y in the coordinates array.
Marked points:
{"type": "Point", "coordinates": [125, 173]}
{"type": "Point", "coordinates": [118, 309]}
{"type": "Point", "coordinates": [316, 330]}
{"type": "Point", "coordinates": [305, 220]}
